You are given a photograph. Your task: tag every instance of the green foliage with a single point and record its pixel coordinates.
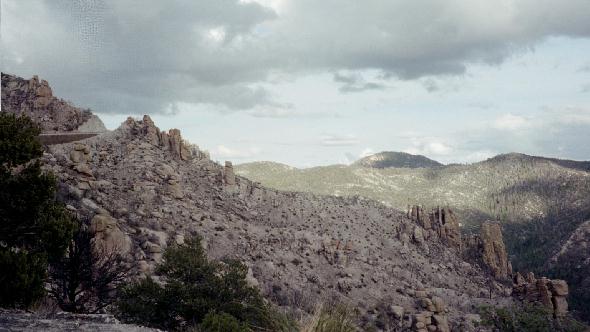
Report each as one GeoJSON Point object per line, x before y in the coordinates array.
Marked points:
{"type": "Point", "coordinates": [17, 140]}
{"type": "Point", "coordinates": [527, 318]}
{"type": "Point", "coordinates": [194, 287]}
{"type": "Point", "coordinates": [222, 322]}
{"type": "Point", "coordinates": [22, 277]}
{"type": "Point", "coordinates": [34, 228]}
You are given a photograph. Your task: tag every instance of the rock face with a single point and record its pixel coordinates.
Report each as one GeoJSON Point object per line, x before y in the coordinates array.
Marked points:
{"type": "Point", "coordinates": [228, 174]}
{"type": "Point", "coordinates": [35, 99]}
{"type": "Point", "coordinates": [550, 293]}
{"type": "Point", "coordinates": [489, 250]}
{"type": "Point", "coordinates": [170, 140]}
{"type": "Point", "coordinates": [439, 222]}
{"type": "Point", "coordinates": [486, 249]}
{"type": "Point", "coordinates": [107, 235]}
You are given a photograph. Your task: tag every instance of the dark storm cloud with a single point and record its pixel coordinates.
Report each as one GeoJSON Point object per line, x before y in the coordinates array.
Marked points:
{"type": "Point", "coordinates": [147, 56]}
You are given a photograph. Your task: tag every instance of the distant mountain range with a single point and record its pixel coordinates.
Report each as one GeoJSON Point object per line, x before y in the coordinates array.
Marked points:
{"type": "Point", "coordinates": [540, 201]}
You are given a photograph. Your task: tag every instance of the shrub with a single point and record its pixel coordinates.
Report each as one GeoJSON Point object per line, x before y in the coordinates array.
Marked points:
{"type": "Point", "coordinates": [193, 288]}
{"type": "Point", "coordinates": [21, 280]}
{"type": "Point", "coordinates": [527, 317]}
{"type": "Point", "coordinates": [86, 278]}
{"type": "Point", "coordinates": [222, 322]}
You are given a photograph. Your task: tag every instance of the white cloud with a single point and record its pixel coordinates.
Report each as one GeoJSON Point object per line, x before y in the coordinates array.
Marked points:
{"type": "Point", "coordinates": [510, 122]}
{"type": "Point", "coordinates": [429, 146]}
{"type": "Point", "coordinates": [366, 152]}
{"type": "Point", "coordinates": [338, 140]}
{"type": "Point", "coordinates": [222, 151]}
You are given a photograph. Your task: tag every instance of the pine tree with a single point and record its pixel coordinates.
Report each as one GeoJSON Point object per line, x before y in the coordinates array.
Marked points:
{"type": "Point", "coordinates": [34, 227]}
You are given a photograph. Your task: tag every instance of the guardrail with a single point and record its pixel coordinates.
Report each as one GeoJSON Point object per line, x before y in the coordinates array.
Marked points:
{"type": "Point", "coordinates": [61, 138]}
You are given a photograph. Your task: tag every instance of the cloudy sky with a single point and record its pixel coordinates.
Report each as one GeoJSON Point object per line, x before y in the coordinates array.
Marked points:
{"type": "Point", "coordinates": [308, 82]}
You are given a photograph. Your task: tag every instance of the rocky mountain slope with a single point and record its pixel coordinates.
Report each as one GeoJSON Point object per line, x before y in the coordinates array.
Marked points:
{"type": "Point", "coordinates": [142, 189]}
{"type": "Point", "coordinates": [389, 159]}
{"type": "Point", "coordinates": [540, 201]}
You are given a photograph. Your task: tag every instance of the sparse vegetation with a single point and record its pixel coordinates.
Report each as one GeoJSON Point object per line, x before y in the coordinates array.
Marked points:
{"type": "Point", "coordinates": [527, 318]}
{"type": "Point", "coordinates": [198, 291]}
{"type": "Point", "coordinates": [540, 201]}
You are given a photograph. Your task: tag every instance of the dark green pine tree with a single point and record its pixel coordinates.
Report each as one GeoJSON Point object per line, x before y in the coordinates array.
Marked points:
{"type": "Point", "coordinates": [34, 227]}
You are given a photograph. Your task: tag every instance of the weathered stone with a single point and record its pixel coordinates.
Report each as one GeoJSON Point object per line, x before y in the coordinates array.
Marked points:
{"type": "Point", "coordinates": [559, 287]}
{"type": "Point", "coordinates": [439, 304]}
{"type": "Point", "coordinates": [228, 174]}
{"type": "Point", "coordinates": [77, 156]}
{"type": "Point", "coordinates": [442, 323]}
{"type": "Point", "coordinates": [418, 235]}
{"type": "Point", "coordinates": [560, 306]}
{"type": "Point", "coordinates": [107, 235]}
{"type": "Point", "coordinates": [396, 311]}
{"type": "Point", "coordinates": [151, 132]}
{"type": "Point", "coordinates": [84, 169]}
{"type": "Point", "coordinates": [492, 250]}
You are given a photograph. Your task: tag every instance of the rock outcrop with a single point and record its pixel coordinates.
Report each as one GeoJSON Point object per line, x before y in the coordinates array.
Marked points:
{"type": "Point", "coordinates": [550, 293]}
{"type": "Point", "coordinates": [228, 174]}
{"type": "Point", "coordinates": [489, 250]}
{"type": "Point", "coordinates": [170, 140]}
{"type": "Point", "coordinates": [34, 98]}
{"type": "Point", "coordinates": [438, 223]}
{"type": "Point", "coordinates": [486, 249]}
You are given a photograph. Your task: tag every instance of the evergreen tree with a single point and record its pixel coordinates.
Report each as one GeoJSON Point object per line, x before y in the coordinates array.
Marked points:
{"type": "Point", "coordinates": [34, 227]}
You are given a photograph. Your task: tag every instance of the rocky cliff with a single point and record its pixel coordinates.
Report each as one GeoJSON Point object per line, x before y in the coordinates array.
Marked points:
{"type": "Point", "coordinates": [35, 99]}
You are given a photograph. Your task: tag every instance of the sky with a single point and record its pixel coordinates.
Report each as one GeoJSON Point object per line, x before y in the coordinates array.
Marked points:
{"type": "Point", "coordinates": [308, 83]}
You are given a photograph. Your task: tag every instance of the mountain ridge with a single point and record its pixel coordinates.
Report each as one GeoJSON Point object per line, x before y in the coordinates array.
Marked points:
{"type": "Point", "coordinates": [392, 159]}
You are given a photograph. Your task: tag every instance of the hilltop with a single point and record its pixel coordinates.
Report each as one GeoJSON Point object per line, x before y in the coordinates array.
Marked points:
{"type": "Point", "coordinates": [389, 159]}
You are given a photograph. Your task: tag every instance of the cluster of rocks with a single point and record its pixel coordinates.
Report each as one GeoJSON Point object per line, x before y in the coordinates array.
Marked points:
{"type": "Point", "coordinates": [432, 316]}
{"type": "Point", "coordinates": [34, 98]}
{"type": "Point", "coordinates": [486, 249]}
{"type": "Point", "coordinates": [550, 293]}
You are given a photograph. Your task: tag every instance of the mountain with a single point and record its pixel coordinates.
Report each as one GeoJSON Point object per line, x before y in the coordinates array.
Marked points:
{"type": "Point", "coordinates": [540, 201]}
{"type": "Point", "coordinates": [141, 189]}
{"type": "Point", "coordinates": [396, 160]}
